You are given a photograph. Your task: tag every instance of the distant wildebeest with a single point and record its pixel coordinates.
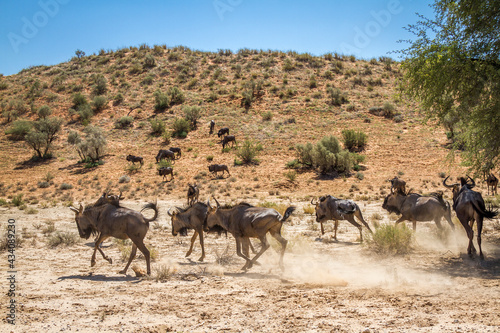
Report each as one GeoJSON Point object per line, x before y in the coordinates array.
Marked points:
{"type": "Point", "coordinates": [222, 131]}
{"type": "Point", "coordinates": [176, 151]}
{"type": "Point", "coordinates": [109, 198]}
{"type": "Point", "coordinates": [212, 125]}
{"type": "Point", "coordinates": [165, 153]}
{"type": "Point", "coordinates": [227, 139]}
{"type": "Point", "coordinates": [469, 207]}
{"type": "Point", "coordinates": [191, 218]}
{"type": "Point", "coordinates": [164, 171]}
{"type": "Point", "coordinates": [246, 221]}
{"type": "Point", "coordinates": [415, 207]}
{"type": "Point", "coordinates": [133, 159]}
{"type": "Point", "coordinates": [398, 185]}
{"type": "Point", "coordinates": [331, 208]}
{"type": "Point", "coordinates": [217, 168]}
{"type": "Point", "coordinates": [492, 181]}
{"type": "Point", "coordinates": [107, 220]}
{"type": "Point", "coordinates": [192, 194]}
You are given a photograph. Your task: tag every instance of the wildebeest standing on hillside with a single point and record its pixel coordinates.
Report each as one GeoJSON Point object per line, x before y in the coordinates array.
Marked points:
{"type": "Point", "coordinates": [164, 171]}
{"type": "Point", "coordinates": [222, 131]}
{"type": "Point", "coordinates": [165, 153]}
{"type": "Point", "coordinates": [469, 207]}
{"type": "Point", "coordinates": [192, 194]}
{"type": "Point", "coordinates": [246, 221]}
{"type": "Point", "coordinates": [415, 207]}
{"type": "Point", "coordinates": [228, 138]}
{"type": "Point", "coordinates": [133, 159]}
{"type": "Point", "coordinates": [176, 150]}
{"type": "Point", "coordinates": [212, 125]}
{"type": "Point", "coordinates": [492, 181]}
{"type": "Point", "coordinates": [331, 208]}
{"type": "Point", "coordinates": [108, 220]}
{"type": "Point", "coordinates": [214, 168]}
{"type": "Point", "coordinates": [398, 185]}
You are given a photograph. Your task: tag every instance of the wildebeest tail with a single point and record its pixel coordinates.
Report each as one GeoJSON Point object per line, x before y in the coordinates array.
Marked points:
{"type": "Point", "coordinates": [153, 206]}
{"type": "Point", "coordinates": [288, 212]}
{"type": "Point", "coordinates": [487, 213]}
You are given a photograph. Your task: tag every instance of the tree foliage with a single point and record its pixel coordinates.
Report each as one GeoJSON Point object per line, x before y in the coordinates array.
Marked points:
{"type": "Point", "coordinates": [42, 135]}
{"type": "Point", "coordinates": [453, 69]}
{"type": "Point", "coordinates": [93, 147]}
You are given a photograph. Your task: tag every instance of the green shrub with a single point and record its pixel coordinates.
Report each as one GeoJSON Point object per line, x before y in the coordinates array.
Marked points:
{"type": "Point", "coordinates": [294, 164]}
{"type": "Point", "coordinates": [192, 114]}
{"type": "Point", "coordinates": [17, 200]}
{"type": "Point", "coordinates": [291, 175]}
{"type": "Point", "coordinates": [43, 184]}
{"type": "Point", "coordinates": [79, 100]}
{"type": "Point", "coordinates": [118, 99]}
{"type": "Point", "coordinates": [161, 101]}
{"type": "Point", "coordinates": [44, 111]}
{"type": "Point", "coordinates": [65, 186]}
{"type": "Point", "coordinates": [336, 97]}
{"type": "Point", "coordinates": [19, 129]}
{"type": "Point", "coordinates": [124, 121]}
{"type": "Point", "coordinates": [389, 110]}
{"type": "Point", "coordinates": [100, 84]}
{"type": "Point", "coordinates": [62, 238]}
{"type": "Point", "coordinates": [99, 103]}
{"type": "Point", "coordinates": [354, 141]}
{"type": "Point", "coordinates": [390, 239]}
{"type": "Point", "coordinates": [149, 61]}
{"type": "Point", "coordinates": [267, 116]}
{"type": "Point", "coordinates": [157, 126]}
{"type": "Point", "coordinates": [175, 95]}
{"type": "Point", "coordinates": [247, 152]}
{"type": "Point", "coordinates": [180, 127]}
{"type": "Point", "coordinates": [85, 113]}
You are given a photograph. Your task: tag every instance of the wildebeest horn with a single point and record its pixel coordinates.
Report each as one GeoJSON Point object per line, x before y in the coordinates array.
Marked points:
{"type": "Point", "coordinates": [313, 203]}
{"type": "Point", "coordinates": [473, 182]}
{"type": "Point", "coordinates": [168, 212]}
{"type": "Point", "coordinates": [74, 209]}
{"type": "Point", "coordinates": [446, 185]}
{"type": "Point", "coordinates": [120, 197]}
{"type": "Point", "coordinates": [218, 205]}
{"type": "Point", "coordinates": [208, 203]}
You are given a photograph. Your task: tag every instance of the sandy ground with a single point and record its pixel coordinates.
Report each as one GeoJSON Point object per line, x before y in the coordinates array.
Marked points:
{"type": "Point", "coordinates": [327, 285]}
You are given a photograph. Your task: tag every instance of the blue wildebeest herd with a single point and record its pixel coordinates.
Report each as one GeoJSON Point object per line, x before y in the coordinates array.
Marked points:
{"type": "Point", "coordinates": [107, 218]}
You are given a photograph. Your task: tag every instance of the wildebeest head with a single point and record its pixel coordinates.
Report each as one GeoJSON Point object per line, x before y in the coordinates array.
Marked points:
{"type": "Point", "coordinates": [213, 216]}
{"type": "Point", "coordinates": [391, 203]}
{"type": "Point", "coordinates": [321, 208]}
{"type": "Point", "coordinates": [85, 227]}
{"type": "Point", "coordinates": [456, 187]}
{"type": "Point", "coordinates": [178, 226]}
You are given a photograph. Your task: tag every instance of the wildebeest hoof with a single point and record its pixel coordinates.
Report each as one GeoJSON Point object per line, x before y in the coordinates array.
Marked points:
{"type": "Point", "coordinates": [110, 260]}
{"type": "Point", "coordinates": [92, 263]}
{"type": "Point", "coordinates": [201, 259]}
{"type": "Point", "coordinates": [122, 272]}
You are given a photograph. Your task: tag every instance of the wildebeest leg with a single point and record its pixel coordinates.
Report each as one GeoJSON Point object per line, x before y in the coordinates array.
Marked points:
{"type": "Point", "coordinates": [201, 243]}
{"type": "Point", "coordinates": [479, 230]}
{"type": "Point", "coordinates": [447, 216]}
{"type": "Point", "coordinates": [414, 224]}
{"type": "Point", "coordinates": [335, 227]}
{"type": "Point", "coordinates": [470, 235]}
{"type": "Point", "coordinates": [98, 242]}
{"type": "Point", "coordinates": [132, 256]}
{"type": "Point", "coordinates": [322, 229]}
{"type": "Point", "coordinates": [350, 218]}
{"type": "Point", "coordinates": [238, 252]}
{"type": "Point", "coordinates": [359, 216]}
{"type": "Point", "coordinates": [283, 243]}
{"type": "Point", "coordinates": [188, 253]}
{"type": "Point", "coordinates": [102, 253]}
{"type": "Point", "coordinates": [265, 246]}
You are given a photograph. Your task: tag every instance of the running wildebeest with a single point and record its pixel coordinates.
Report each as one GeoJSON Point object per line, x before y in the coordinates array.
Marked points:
{"type": "Point", "coordinates": [107, 220]}
{"type": "Point", "coordinates": [492, 181]}
{"type": "Point", "coordinates": [222, 131]}
{"type": "Point", "coordinates": [212, 125]}
{"type": "Point", "coordinates": [469, 207]}
{"type": "Point", "coordinates": [227, 139]}
{"type": "Point", "coordinates": [217, 168]}
{"type": "Point", "coordinates": [331, 208]}
{"type": "Point", "coordinates": [192, 194]}
{"type": "Point", "coordinates": [133, 159]}
{"type": "Point", "coordinates": [415, 207]}
{"type": "Point", "coordinates": [165, 153]}
{"type": "Point", "coordinates": [164, 171]}
{"type": "Point", "coordinates": [246, 221]}
{"type": "Point", "coordinates": [176, 151]}
{"type": "Point", "coordinates": [398, 184]}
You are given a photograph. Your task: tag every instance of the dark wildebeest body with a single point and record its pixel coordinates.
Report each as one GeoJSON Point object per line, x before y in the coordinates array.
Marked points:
{"type": "Point", "coordinates": [192, 194]}
{"type": "Point", "coordinates": [398, 184]}
{"type": "Point", "coordinates": [176, 150]}
{"type": "Point", "coordinates": [415, 207]}
{"type": "Point", "coordinates": [212, 125]}
{"type": "Point", "coordinates": [107, 220]}
{"type": "Point", "coordinates": [469, 207]}
{"type": "Point", "coordinates": [246, 221]}
{"type": "Point", "coordinates": [331, 208]}
{"type": "Point", "coordinates": [164, 171]}
{"type": "Point", "coordinates": [217, 168]}
{"type": "Point", "coordinates": [133, 159]}
{"type": "Point", "coordinates": [492, 181]}
{"type": "Point", "coordinates": [165, 153]}
{"type": "Point", "coordinates": [227, 139]}
{"type": "Point", "coordinates": [222, 131]}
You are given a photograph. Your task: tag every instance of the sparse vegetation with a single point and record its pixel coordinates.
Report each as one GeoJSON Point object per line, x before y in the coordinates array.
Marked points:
{"type": "Point", "coordinates": [389, 239]}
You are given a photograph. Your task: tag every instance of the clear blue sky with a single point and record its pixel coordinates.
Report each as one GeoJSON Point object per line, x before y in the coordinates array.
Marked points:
{"type": "Point", "coordinates": [48, 32]}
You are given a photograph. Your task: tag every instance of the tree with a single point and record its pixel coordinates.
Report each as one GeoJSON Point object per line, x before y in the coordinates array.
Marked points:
{"type": "Point", "coordinates": [42, 135]}
{"type": "Point", "coordinates": [453, 69]}
{"type": "Point", "coordinates": [192, 114]}
{"type": "Point", "coordinates": [92, 148]}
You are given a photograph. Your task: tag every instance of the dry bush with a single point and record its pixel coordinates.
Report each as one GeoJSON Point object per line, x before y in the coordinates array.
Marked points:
{"type": "Point", "coordinates": [62, 238]}
{"type": "Point", "coordinates": [389, 239]}
{"type": "Point", "coordinates": [164, 272]}
{"type": "Point", "coordinates": [225, 257]}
